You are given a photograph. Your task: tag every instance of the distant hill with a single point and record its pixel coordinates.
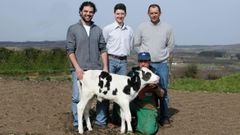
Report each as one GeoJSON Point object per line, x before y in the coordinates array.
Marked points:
{"type": "Point", "coordinates": [232, 48]}
{"type": "Point", "coordinates": [208, 46]}
{"type": "Point", "coordinates": [34, 44]}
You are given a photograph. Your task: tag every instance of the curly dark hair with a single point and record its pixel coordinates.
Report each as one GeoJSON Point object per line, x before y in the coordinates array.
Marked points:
{"type": "Point", "coordinates": [88, 3]}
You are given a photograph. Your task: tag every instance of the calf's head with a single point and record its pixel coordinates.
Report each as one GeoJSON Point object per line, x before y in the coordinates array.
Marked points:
{"type": "Point", "coordinates": [147, 76]}
{"type": "Point", "coordinates": [139, 79]}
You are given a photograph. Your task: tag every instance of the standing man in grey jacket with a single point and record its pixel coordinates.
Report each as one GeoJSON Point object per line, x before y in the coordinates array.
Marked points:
{"type": "Point", "coordinates": [157, 38]}
{"type": "Point", "coordinates": [85, 45]}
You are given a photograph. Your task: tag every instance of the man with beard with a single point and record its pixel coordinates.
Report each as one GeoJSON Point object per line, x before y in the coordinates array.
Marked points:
{"type": "Point", "coordinates": [85, 45]}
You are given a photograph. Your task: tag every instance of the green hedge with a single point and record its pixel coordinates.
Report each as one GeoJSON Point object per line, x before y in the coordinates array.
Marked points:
{"type": "Point", "coordinates": [32, 60]}
{"type": "Point", "coordinates": [225, 84]}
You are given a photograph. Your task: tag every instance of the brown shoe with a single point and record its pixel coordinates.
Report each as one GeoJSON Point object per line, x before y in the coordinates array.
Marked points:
{"type": "Point", "coordinates": [161, 92]}
{"type": "Point", "coordinates": [166, 124]}
{"type": "Point", "coordinates": [111, 125]}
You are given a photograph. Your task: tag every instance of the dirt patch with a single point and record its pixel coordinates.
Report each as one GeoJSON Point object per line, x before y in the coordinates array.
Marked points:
{"type": "Point", "coordinates": [43, 108]}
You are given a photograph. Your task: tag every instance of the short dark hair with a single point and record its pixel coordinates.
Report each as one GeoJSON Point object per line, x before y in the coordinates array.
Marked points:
{"type": "Point", "coordinates": [88, 3]}
{"type": "Point", "coordinates": [120, 6]}
{"type": "Point", "coordinates": [154, 5]}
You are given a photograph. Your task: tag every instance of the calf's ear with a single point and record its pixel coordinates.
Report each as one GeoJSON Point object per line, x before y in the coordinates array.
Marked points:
{"type": "Point", "coordinates": [135, 68]}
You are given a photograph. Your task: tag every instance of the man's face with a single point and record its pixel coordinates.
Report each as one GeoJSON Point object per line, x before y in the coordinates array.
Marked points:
{"type": "Point", "coordinates": [87, 14]}
{"type": "Point", "coordinates": [154, 14]}
{"type": "Point", "coordinates": [119, 16]}
{"type": "Point", "coordinates": [144, 63]}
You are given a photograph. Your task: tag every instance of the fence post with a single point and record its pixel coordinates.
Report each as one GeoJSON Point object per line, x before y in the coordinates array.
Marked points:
{"type": "Point", "coordinates": [170, 71]}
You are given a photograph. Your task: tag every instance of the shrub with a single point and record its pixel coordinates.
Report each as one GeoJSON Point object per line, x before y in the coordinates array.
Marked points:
{"type": "Point", "coordinates": [192, 71]}
{"type": "Point", "coordinates": [238, 56]}
{"type": "Point", "coordinates": [213, 76]}
{"type": "Point", "coordinates": [5, 54]}
{"type": "Point", "coordinates": [212, 53]}
{"type": "Point", "coordinates": [32, 60]}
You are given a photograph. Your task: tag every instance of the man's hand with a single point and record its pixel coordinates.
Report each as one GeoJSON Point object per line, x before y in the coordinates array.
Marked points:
{"type": "Point", "coordinates": [105, 69]}
{"type": "Point", "coordinates": [79, 73]}
{"type": "Point", "coordinates": [152, 86]}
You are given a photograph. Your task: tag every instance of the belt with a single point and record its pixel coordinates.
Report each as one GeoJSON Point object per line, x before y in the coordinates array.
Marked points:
{"type": "Point", "coordinates": [118, 57]}
{"type": "Point", "coordinates": [149, 106]}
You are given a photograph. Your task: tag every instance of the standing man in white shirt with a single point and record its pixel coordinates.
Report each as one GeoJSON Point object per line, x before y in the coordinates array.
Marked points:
{"type": "Point", "coordinates": [119, 39]}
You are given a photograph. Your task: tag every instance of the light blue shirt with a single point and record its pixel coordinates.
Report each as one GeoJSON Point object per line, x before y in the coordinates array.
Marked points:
{"type": "Point", "coordinates": [119, 39]}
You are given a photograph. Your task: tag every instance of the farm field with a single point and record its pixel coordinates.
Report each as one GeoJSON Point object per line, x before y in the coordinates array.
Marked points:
{"type": "Point", "coordinates": [43, 108]}
{"type": "Point", "coordinates": [35, 90]}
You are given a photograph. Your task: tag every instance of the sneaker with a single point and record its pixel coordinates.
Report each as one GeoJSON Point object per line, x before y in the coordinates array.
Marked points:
{"type": "Point", "coordinates": [101, 126]}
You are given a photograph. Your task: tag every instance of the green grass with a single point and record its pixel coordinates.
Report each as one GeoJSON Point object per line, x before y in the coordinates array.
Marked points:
{"type": "Point", "coordinates": [31, 61]}
{"type": "Point", "coordinates": [225, 84]}
{"type": "Point", "coordinates": [53, 64]}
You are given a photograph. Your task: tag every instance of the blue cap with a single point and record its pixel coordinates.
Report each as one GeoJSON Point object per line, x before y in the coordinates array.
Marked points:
{"type": "Point", "coordinates": [144, 56]}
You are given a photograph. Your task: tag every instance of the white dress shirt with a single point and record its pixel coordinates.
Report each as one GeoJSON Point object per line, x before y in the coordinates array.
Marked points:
{"type": "Point", "coordinates": [119, 39]}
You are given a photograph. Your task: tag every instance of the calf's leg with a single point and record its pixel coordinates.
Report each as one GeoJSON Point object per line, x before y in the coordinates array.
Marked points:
{"type": "Point", "coordinates": [86, 114]}
{"type": "Point", "coordinates": [123, 126]}
{"type": "Point", "coordinates": [80, 107]}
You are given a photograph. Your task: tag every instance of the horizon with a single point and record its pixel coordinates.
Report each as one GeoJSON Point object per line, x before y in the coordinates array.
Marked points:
{"type": "Point", "coordinates": [53, 41]}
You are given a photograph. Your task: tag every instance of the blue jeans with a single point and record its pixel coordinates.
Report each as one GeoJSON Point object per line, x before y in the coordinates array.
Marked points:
{"type": "Point", "coordinates": [118, 67]}
{"type": "Point", "coordinates": [75, 98]}
{"type": "Point", "coordinates": [162, 69]}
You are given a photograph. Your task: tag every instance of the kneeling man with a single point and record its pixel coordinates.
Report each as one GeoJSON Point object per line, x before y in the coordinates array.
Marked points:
{"type": "Point", "coordinates": [144, 107]}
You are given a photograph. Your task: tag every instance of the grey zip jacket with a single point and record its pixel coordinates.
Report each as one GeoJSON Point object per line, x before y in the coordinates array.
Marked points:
{"type": "Point", "coordinates": [86, 48]}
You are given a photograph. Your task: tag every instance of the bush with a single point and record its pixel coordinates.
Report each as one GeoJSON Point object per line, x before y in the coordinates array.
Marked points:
{"type": "Point", "coordinates": [238, 56]}
{"type": "Point", "coordinates": [5, 54]}
{"type": "Point", "coordinates": [212, 53]}
{"type": "Point", "coordinates": [33, 61]}
{"type": "Point", "coordinates": [213, 76]}
{"type": "Point", "coordinates": [192, 71]}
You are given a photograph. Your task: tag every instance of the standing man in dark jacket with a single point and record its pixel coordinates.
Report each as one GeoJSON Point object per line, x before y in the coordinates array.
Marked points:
{"type": "Point", "coordinates": [85, 46]}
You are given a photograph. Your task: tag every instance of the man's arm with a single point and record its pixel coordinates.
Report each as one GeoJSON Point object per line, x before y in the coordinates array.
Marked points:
{"type": "Point", "coordinates": [70, 48]}
{"type": "Point", "coordinates": [103, 51]}
{"type": "Point", "coordinates": [170, 41]}
{"type": "Point", "coordinates": [77, 68]}
{"type": "Point", "coordinates": [105, 61]}
{"type": "Point", "coordinates": [137, 40]}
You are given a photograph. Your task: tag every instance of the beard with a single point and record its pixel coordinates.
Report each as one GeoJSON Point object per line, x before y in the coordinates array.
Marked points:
{"type": "Point", "coordinates": [86, 19]}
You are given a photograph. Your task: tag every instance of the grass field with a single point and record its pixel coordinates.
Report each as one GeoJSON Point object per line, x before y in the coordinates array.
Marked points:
{"type": "Point", "coordinates": [42, 107]}
{"type": "Point", "coordinates": [33, 61]}
{"type": "Point", "coordinates": [53, 64]}
{"type": "Point", "coordinates": [225, 84]}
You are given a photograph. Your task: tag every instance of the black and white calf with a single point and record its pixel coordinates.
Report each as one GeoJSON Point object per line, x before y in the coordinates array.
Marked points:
{"type": "Point", "coordinates": [118, 88]}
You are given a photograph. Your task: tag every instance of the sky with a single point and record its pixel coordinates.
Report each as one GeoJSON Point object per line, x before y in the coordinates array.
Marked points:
{"type": "Point", "coordinates": [195, 22]}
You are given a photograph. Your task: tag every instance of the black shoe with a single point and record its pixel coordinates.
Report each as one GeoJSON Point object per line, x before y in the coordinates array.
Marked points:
{"type": "Point", "coordinates": [99, 126]}
{"type": "Point", "coordinates": [75, 128]}
{"type": "Point", "coordinates": [166, 123]}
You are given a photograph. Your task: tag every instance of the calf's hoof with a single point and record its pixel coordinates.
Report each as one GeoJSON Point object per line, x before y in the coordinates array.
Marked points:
{"type": "Point", "coordinates": [80, 131]}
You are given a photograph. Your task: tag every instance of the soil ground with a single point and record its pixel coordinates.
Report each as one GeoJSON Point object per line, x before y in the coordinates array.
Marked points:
{"type": "Point", "coordinates": [43, 108]}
